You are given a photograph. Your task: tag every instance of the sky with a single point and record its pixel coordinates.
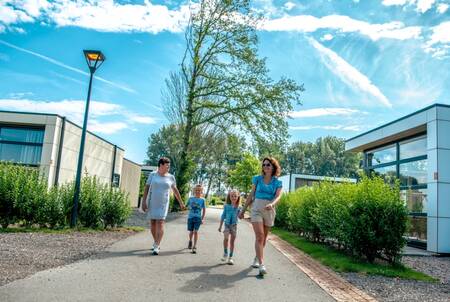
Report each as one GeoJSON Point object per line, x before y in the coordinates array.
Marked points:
{"type": "Point", "coordinates": [363, 63]}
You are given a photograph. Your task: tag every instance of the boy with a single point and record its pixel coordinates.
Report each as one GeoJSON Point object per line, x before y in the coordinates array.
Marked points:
{"type": "Point", "coordinates": [197, 211]}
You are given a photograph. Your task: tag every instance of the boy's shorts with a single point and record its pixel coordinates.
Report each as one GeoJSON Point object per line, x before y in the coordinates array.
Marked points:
{"type": "Point", "coordinates": [193, 224]}
{"type": "Point", "coordinates": [230, 229]}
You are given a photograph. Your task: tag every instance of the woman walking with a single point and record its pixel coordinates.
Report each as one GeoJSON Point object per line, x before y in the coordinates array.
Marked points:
{"type": "Point", "coordinates": [159, 183]}
{"type": "Point", "coordinates": [264, 196]}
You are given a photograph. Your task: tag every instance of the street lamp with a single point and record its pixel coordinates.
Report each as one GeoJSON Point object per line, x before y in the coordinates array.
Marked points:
{"type": "Point", "coordinates": [94, 59]}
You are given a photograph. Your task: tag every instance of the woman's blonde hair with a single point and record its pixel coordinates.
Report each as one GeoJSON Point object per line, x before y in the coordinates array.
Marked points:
{"type": "Point", "coordinates": [229, 196]}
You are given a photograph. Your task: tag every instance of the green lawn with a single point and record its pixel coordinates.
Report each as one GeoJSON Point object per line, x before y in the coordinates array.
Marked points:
{"type": "Point", "coordinates": [69, 230]}
{"type": "Point", "coordinates": [340, 262]}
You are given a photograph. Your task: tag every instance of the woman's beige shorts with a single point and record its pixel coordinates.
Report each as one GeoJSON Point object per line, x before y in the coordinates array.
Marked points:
{"type": "Point", "coordinates": [260, 214]}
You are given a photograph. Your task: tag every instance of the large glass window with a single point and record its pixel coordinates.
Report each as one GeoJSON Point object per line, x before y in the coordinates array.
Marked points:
{"type": "Point", "coordinates": [381, 156]}
{"type": "Point", "coordinates": [417, 228]}
{"type": "Point", "coordinates": [415, 200]}
{"type": "Point", "coordinates": [389, 173]}
{"type": "Point", "coordinates": [413, 148]}
{"type": "Point", "coordinates": [21, 145]}
{"type": "Point", "coordinates": [413, 173]}
{"type": "Point", "coordinates": [23, 135]}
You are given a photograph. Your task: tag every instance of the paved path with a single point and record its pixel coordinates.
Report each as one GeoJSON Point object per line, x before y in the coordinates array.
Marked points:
{"type": "Point", "coordinates": [128, 272]}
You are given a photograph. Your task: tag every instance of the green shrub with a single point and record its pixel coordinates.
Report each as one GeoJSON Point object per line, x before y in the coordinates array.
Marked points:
{"type": "Point", "coordinates": [368, 219]}
{"type": "Point", "coordinates": [90, 203]}
{"type": "Point", "coordinates": [379, 220]}
{"type": "Point", "coordinates": [24, 197]}
{"type": "Point", "coordinates": [116, 208]}
{"type": "Point", "coordinates": [8, 213]}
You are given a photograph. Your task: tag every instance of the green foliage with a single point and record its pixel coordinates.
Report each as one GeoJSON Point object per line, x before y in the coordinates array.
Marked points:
{"type": "Point", "coordinates": [368, 219]}
{"type": "Point", "coordinates": [241, 176]}
{"type": "Point", "coordinates": [325, 157]}
{"type": "Point", "coordinates": [115, 207]}
{"type": "Point", "coordinates": [342, 262]}
{"type": "Point", "coordinates": [24, 197]}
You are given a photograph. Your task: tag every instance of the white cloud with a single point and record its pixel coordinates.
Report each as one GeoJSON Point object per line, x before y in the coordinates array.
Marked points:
{"type": "Point", "coordinates": [327, 37]}
{"type": "Point", "coordinates": [307, 24]}
{"type": "Point", "coordinates": [438, 44]}
{"type": "Point", "coordinates": [394, 2]}
{"type": "Point", "coordinates": [333, 127]}
{"type": "Point", "coordinates": [101, 15]}
{"type": "Point", "coordinates": [349, 74]}
{"type": "Point", "coordinates": [289, 5]}
{"type": "Point", "coordinates": [421, 6]}
{"type": "Point", "coordinates": [317, 112]}
{"type": "Point", "coordinates": [424, 5]}
{"type": "Point", "coordinates": [442, 8]}
{"type": "Point", "coordinates": [60, 64]}
{"type": "Point", "coordinates": [74, 110]}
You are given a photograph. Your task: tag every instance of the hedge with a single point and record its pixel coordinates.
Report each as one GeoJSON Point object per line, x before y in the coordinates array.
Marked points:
{"type": "Point", "coordinates": [368, 219]}
{"type": "Point", "coordinates": [25, 199]}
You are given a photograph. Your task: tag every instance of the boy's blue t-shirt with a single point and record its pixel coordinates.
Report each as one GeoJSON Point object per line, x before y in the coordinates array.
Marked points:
{"type": "Point", "coordinates": [264, 191]}
{"type": "Point", "coordinates": [230, 214]}
{"type": "Point", "coordinates": [195, 206]}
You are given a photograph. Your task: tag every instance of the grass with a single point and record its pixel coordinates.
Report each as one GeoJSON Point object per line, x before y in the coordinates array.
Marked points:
{"type": "Point", "coordinates": [67, 230]}
{"type": "Point", "coordinates": [341, 262]}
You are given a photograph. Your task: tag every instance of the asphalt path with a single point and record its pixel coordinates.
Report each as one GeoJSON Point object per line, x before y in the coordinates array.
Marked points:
{"type": "Point", "coordinates": [128, 272]}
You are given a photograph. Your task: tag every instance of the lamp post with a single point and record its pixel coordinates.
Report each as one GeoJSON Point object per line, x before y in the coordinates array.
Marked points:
{"type": "Point", "coordinates": [94, 59]}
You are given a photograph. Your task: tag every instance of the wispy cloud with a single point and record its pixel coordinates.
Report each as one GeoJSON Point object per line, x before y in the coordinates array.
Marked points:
{"type": "Point", "coordinates": [118, 117]}
{"type": "Point", "coordinates": [60, 64]}
{"type": "Point", "coordinates": [328, 127]}
{"type": "Point", "coordinates": [349, 74]}
{"type": "Point", "coordinates": [308, 24]}
{"type": "Point", "coordinates": [421, 6]}
{"type": "Point", "coordinates": [439, 43]}
{"type": "Point", "coordinates": [320, 112]}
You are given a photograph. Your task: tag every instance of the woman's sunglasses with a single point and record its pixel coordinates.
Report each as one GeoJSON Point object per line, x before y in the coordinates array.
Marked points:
{"type": "Point", "coordinates": [267, 165]}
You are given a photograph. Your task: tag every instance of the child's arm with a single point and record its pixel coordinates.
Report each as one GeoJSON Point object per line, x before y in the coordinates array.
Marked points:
{"type": "Point", "coordinates": [222, 218]}
{"type": "Point", "coordinates": [203, 214]}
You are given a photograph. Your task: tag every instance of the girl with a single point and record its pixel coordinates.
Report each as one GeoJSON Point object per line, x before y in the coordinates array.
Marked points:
{"type": "Point", "coordinates": [229, 216]}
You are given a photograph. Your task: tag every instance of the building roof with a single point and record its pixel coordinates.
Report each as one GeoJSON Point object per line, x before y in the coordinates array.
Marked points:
{"type": "Point", "coordinates": [63, 117]}
{"type": "Point", "coordinates": [409, 125]}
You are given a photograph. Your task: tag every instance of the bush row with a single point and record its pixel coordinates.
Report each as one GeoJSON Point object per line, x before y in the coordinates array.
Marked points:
{"type": "Point", "coordinates": [368, 219]}
{"type": "Point", "coordinates": [25, 199]}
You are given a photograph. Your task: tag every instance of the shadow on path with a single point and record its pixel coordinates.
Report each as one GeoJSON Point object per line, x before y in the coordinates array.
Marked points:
{"type": "Point", "coordinates": [210, 281]}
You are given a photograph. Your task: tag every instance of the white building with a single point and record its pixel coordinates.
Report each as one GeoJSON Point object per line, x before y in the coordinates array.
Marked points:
{"type": "Point", "coordinates": [416, 150]}
{"type": "Point", "coordinates": [292, 182]}
{"type": "Point", "coordinates": [52, 142]}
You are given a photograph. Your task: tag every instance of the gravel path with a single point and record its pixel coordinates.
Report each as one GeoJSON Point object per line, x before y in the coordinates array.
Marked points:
{"type": "Point", "coordinates": [23, 254]}
{"type": "Point", "coordinates": [399, 290]}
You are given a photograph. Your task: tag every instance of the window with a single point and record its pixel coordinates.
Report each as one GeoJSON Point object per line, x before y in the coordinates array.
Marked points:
{"type": "Point", "coordinates": [413, 148]}
{"type": "Point", "coordinates": [416, 200]}
{"type": "Point", "coordinates": [116, 180]}
{"type": "Point", "coordinates": [21, 145]}
{"type": "Point", "coordinates": [389, 173]}
{"type": "Point", "coordinates": [381, 156]}
{"type": "Point", "coordinates": [413, 173]}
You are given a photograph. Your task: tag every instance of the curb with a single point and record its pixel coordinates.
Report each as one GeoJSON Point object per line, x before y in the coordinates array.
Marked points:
{"type": "Point", "coordinates": [338, 288]}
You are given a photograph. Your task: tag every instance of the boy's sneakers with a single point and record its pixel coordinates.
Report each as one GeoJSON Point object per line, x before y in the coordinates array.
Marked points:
{"type": "Point", "coordinates": [262, 269]}
{"type": "Point", "coordinates": [255, 263]}
{"type": "Point", "coordinates": [230, 261]}
{"type": "Point", "coordinates": [194, 250]}
{"type": "Point", "coordinates": [156, 250]}
{"type": "Point", "coordinates": [190, 244]}
{"type": "Point", "coordinates": [224, 257]}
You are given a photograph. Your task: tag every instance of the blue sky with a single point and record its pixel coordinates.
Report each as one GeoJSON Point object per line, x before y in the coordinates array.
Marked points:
{"type": "Point", "coordinates": [363, 63]}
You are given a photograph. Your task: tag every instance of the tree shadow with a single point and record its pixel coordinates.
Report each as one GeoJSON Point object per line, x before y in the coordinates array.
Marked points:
{"type": "Point", "coordinates": [208, 281]}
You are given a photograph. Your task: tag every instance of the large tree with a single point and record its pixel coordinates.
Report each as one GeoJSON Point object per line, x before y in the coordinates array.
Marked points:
{"type": "Point", "coordinates": [223, 83]}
